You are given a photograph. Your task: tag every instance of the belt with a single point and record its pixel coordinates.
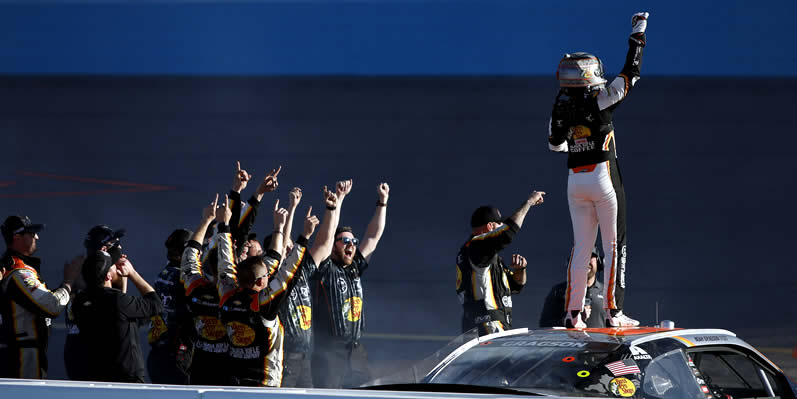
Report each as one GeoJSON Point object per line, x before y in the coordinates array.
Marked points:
{"type": "Point", "coordinates": [584, 169]}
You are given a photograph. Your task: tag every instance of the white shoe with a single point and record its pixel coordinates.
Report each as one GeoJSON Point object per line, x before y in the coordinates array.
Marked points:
{"type": "Point", "coordinates": [574, 322]}
{"type": "Point", "coordinates": [620, 320]}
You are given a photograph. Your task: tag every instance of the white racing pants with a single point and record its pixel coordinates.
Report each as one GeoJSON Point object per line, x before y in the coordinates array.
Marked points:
{"type": "Point", "coordinates": [597, 199]}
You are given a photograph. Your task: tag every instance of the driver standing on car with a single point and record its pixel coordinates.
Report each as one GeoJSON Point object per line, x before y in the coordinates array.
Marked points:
{"type": "Point", "coordinates": [483, 287]}
{"type": "Point", "coordinates": [581, 126]}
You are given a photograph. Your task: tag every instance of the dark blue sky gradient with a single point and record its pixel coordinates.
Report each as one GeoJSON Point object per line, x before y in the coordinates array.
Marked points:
{"type": "Point", "coordinates": [390, 37]}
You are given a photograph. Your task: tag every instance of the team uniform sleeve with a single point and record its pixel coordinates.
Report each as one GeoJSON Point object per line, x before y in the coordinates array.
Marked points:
{"type": "Point", "coordinates": [227, 282]}
{"type": "Point", "coordinates": [191, 267]}
{"type": "Point", "coordinates": [133, 307]}
{"type": "Point", "coordinates": [26, 289]}
{"type": "Point", "coordinates": [617, 91]}
{"type": "Point", "coordinates": [483, 247]}
{"type": "Point", "coordinates": [284, 279]}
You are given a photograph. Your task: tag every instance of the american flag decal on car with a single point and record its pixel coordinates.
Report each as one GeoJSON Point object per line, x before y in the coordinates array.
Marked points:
{"type": "Point", "coordinates": [622, 367]}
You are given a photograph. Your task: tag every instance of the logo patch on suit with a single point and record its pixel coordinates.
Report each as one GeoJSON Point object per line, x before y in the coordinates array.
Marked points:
{"type": "Point", "coordinates": [353, 308]}
{"type": "Point", "coordinates": [240, 334]}
{"type": "Point", "coordinates": [157, 327]}
{"type": "Point", "coordinates": [210, 328]}
{"type": "Point", "coordinates": [580, 132]}
{"type": "Point", "coordinates": [305, 316]}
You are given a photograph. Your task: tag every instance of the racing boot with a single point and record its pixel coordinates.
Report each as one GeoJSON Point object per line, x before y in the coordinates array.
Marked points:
{"type": "Point", "coordinates": [616, 318]}
{"type": "Point", "coordinates": [573, 320]}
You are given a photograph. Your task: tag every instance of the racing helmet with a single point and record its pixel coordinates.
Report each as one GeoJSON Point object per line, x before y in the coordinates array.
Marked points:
{"type": "Point", "coordinates": [580, 70]}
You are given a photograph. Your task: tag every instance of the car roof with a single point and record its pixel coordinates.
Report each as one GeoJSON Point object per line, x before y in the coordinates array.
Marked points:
{"type": "Point", "coordinates": [630, 336]}
{"type": "Point", "coordinates": [622, 336]}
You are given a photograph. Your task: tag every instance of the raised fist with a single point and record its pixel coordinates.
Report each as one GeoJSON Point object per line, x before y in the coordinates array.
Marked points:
{"type": "Point", "coordinates": [639, 22]}
{"type": "Point", "coordinates": [383, 190]}
{"type": "Point", "coordinates": [295, 197]}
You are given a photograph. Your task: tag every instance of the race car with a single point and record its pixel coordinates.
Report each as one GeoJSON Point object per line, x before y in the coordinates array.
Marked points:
{"type": "Point", "coordinates": [608, 362]}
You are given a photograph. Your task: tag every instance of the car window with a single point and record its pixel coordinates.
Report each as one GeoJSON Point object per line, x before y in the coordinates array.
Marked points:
{"type": "Point", "coordinates": [669, 377]}
{"type": "Point", "coordinates": [732, 373]}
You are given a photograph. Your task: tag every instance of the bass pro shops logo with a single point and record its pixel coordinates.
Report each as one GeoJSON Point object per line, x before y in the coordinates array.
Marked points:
{"type": "Point", "coordinates": [352, 308]}
{"type": "Point", "coordinates": [240, 334]}
{"type": "Point", "coordinates": [210, 328]}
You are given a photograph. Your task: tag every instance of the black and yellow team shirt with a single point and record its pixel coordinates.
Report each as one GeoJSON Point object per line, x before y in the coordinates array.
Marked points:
{"type": "Point", "coordinates": [166, 328]}
{"type": "Point", "coordinates": [338, 299]}
{"type": "Point", "coordinates": [296, 312]}
{"type": "Point", "coordinates": [484, 283]}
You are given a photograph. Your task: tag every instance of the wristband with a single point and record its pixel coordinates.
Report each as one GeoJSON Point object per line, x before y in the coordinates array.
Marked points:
{"type": "Point", "coordinates": [380, 203]}
{"type": "Point", "coordinates": [332, 208]}
{"type": "Point", "coordinates": [277, 232]}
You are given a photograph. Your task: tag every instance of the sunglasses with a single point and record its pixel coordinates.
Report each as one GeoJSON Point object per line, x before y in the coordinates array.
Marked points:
{"type": "Point", "coordinates": [347, 241]}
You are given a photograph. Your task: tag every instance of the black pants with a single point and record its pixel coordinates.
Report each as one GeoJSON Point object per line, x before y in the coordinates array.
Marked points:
{"type": "Point", "coordinates": [296, 370]}
{"type": "Point", "coordinates": [210, 368]}
{"type": "Point", "coordinates": [340, 365]}
{"type": "Point", "coordinates": [162, 367]}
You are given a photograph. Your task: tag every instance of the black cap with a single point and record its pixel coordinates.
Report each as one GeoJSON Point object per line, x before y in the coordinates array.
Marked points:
{"type": "Point", "coordinates": [95, 268]}
{"type": "Point", "coordinates": [178, 238]}
{"type": "Point", "coordinates": [485, 214]}
{"type": "Point", "coordinates": [101, 235]}
{"type": "Point", "coordinates": [17, 225]}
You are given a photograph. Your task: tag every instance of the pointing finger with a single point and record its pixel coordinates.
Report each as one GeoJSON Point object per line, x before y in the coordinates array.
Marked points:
{"type": "Point", "coordinates": [309, 211]}
{"type": "Point", "coordinates": [226, 200]}
{"type": "Point", "coordinates": [277, 204]}
{"type": "Point", "coordinates": [239, 165]}
{"type": "Point", "coordinates": [279, 168]}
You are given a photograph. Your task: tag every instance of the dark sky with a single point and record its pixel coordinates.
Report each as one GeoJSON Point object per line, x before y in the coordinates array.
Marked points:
{"type": "Point", "coordinates": [387, 37]}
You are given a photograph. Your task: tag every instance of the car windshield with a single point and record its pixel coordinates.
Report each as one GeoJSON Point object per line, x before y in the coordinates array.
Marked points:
{"type": "Point", "coordinates": [551, 367]}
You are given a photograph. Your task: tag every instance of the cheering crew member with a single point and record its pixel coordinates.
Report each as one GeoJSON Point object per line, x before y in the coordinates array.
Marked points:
{"type": "Point", "coordinates": [26, 305]}
{"type": "Point", "coordinates": [170, 333]}
{"type": "Point", "coordinates": [251, 297]}
{"type": "Point", "coordinates": [339, 359]}
{"type": "Point", "coordinates": [296, 314]}
{"type": "Point", "coordinates": [202, 297]}
{"type": "Point", "coordinates": [108, 319]}
{"type": "Point", "coordinates": [581, 125]}
{"type": "Point", "coordinates": [553, 310]}
{"type": "Point", "coordinates": [483, 287]}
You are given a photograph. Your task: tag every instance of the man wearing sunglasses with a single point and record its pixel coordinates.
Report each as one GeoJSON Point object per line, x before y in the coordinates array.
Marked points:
{"type": "Point", "coordinates": [26, 304]}
{"type": "Point", "coordinates": [339, 359]}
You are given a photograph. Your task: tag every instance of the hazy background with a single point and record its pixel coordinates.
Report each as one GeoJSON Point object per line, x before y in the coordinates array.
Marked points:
{"type": "Point", "coordinates": [133, 115]}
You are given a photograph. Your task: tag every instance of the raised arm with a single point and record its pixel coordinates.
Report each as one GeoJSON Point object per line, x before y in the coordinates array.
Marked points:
{"type": "Point", "coordinates": [520, 214]}
{"type": "Point", "coordinates": [295, 198]}
{"type": "Point", "coordinates": [227, 281]}
{"type": "Point", "coordinates": [618, 90]}
{"type": "Point", "coordinates": [322, 246]}
{"type": "Point", "coordinates": [377, 225]}
{"type": "Point", "coordinates": [282, 281]}
{"type": "Point", "coordinates": [190, 267]}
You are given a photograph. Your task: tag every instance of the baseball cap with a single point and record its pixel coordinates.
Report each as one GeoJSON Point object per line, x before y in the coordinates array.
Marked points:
{"type": "Point", "coordinates": [17, 225]}
{"type": "Point", "coordinates": [178, 238]}
{"type": "Point", "coordinates": [485, 214]}
{"type": "Point", "coordinates": [95, 267]}
{"type": "Point", "coordinates": [101, 235]}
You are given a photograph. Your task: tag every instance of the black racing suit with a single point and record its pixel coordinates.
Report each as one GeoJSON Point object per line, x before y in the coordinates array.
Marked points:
{"type": "Point", "coordinates": [169, 330]}
{"type": "Point", "coordinates": [484, 283]}
{"type": "Point", "coordinates": [339, 359]}
{"type": "Point", "coordinates": [581, 125]}
{"type": "Point", "coordinates": [253, 328]}
{"type": "Point", "coordinates": [296, 316]}
{"type": "Point", "coordinates": [26, 309]}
